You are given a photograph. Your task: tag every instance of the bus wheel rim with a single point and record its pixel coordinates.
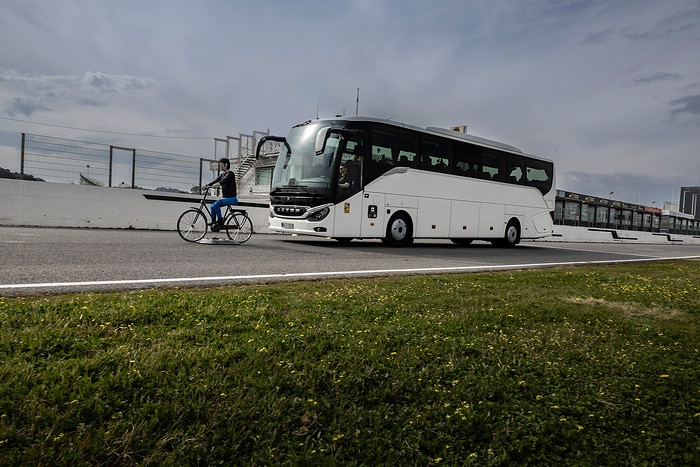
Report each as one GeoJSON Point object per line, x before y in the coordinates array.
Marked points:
{"type": "Point", "coordinates": [399, 229]}
{"type": "Point", "coordinates": [512, 234]}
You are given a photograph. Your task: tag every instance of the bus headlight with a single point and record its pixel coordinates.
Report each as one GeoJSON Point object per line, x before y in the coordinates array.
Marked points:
{"type": "Point", "coordinates": [319, 215]}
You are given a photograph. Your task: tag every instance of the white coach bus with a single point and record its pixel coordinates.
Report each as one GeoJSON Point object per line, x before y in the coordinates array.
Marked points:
{"type": "Point", "coordinates": [357, 177]}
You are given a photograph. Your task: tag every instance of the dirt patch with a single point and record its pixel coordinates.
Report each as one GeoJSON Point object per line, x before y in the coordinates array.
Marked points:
{"type": "Point", "coordinates": [632, 309]}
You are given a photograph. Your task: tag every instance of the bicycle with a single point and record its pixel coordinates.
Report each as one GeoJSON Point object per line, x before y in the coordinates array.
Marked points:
{"type": "Point", "coordinates": [193, 224]}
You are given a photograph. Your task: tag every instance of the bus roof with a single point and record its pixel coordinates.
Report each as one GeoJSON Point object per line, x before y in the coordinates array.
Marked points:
{"type": "Point", "coordinates": [473, 139]}
{"type": "Point", "coordinates": [442, 132]}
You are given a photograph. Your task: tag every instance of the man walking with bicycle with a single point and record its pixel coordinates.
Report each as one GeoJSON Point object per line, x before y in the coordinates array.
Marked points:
{"type": "Point", "coordinates": [227, 182]}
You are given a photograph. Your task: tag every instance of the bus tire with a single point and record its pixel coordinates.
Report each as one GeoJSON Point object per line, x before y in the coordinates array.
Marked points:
{"type": "Point", "coordinates": [399, 231]}
{"type": "Point", "coordinates": [512, 235]}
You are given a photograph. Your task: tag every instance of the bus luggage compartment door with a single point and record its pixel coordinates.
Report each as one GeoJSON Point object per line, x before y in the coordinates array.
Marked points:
{"type": "Point", "coordinates": [464, 219]}
{"type": "Point", "coordinates": [433, 218]}
{"type": "Point", "coordinates": [491, 218]}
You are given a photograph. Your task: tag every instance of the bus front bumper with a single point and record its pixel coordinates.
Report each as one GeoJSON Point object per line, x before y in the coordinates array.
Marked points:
{"type": "Point", "coordinates": [299, 226]}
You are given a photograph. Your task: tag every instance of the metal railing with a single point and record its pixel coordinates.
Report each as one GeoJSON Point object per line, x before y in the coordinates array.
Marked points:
{"type": "Point", "coordinates": [61, 160]}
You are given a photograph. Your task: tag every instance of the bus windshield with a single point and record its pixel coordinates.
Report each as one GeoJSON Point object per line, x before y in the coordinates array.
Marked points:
{"type": "Point", "coordinates": [303, 174]}
{"type": "Point", "coordinates": [298, 165]}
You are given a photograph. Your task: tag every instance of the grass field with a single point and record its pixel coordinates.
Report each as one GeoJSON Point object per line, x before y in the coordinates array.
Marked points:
{"type": "Point", "coordinates": [571, 366]}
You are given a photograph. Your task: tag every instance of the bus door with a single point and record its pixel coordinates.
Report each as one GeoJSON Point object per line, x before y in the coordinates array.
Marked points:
{"type": "Point", "coordinates": [348, 216]}
{"type": "Point", "coordinates": [348, 208]}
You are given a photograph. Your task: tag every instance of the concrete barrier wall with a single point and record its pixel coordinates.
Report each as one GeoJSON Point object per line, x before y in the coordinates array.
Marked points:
{"type": "Point", "coordinates": [565, 233]}
{"type": "Point", "coordinates": [25, 203]}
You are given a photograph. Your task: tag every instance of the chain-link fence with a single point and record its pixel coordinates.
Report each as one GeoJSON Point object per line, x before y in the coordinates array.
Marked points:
{"type": "Point", "coordinates": [62, 160]}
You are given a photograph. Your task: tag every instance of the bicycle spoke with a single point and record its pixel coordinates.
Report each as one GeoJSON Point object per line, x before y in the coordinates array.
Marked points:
{"type": "Point", "coordinates": [192, 225]}
{"type": "Point", "coordinates": [240, 228]}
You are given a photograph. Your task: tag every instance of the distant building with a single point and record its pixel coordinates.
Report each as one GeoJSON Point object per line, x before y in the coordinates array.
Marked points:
{"type": "Point", "coordinates": [582, 210]}
{"type": "Point", "coordinates": [690, 201]}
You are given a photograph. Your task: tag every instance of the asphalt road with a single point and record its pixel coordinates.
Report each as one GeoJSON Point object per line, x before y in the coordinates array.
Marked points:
{"type": "Point", "coordinates": [58, 260]}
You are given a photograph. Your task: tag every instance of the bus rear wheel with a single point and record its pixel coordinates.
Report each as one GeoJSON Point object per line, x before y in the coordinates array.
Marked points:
{"type": "Point", "coordinates": [399, 231]}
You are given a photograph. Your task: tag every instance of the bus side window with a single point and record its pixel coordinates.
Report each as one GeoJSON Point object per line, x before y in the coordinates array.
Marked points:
{"type": "Point", "coordinates": [539, 175]}
{"type": "Point", "coordinates": [515, 165]}
{"type": "Point", "coordinates": [396, 144]}
{"type": "Point", "coordinates": [466, 160]}
{"type": "Point", "coordinates": [493, 165]}
{"type": "Point", "coordinates": [435, 154]}
{"type": "Point", "coordinates": [406, 159]}
{"type": "Point", "coordinates": [380, 154]}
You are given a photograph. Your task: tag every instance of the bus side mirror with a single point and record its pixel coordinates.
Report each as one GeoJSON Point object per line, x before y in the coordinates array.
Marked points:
{"type": "Point", "coordinates": [265, 139]}
{"type": "Point", "coordinates": [321, 138]}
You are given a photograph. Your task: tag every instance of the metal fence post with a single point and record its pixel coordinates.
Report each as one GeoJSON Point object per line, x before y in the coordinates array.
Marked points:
{"type": "Point", "coordinates": [111, 155]}
{"type": "Point", "coordinates": [21, 163]}
{"type": "Point", "coordinates": [201, 161]}
{"type": "Point", "coordinates": [133, 168]}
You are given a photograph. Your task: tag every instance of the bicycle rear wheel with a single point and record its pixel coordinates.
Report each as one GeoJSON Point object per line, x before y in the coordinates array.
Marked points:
{"type": "Point", "coordinates": [239, 228]}
{"type": "Point", "coordinates": [192, 225]}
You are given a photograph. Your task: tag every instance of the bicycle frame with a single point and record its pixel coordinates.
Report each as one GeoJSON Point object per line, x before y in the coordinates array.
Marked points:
{"type": "Point", "coordinates": [203, 203]}
{"type": "Point", "coordinates": [193, 223]}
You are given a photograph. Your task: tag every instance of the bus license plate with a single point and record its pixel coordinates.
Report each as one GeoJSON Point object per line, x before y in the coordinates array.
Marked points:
{"type": "Point", "coordinates": [286, 225]}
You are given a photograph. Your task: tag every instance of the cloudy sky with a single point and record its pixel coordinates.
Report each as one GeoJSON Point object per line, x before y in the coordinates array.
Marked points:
{"type": "Point", "coordinates": [609, 89]}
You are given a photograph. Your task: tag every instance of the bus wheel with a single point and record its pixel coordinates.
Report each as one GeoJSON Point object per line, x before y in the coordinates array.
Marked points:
{"type": "Point", "coordinates": [399, 232]}
{"type": "Point", "coordinates": [512, 235]}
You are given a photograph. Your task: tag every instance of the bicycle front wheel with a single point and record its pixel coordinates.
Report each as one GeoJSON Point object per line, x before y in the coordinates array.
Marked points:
{"type": "Point", "coordinates": [239, 228]}
{"type": "Point", "coordinates": [192, 225]}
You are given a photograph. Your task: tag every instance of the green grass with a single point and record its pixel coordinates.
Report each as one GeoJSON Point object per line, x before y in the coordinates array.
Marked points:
{"type": "Point", "coordinates": [572, 366]}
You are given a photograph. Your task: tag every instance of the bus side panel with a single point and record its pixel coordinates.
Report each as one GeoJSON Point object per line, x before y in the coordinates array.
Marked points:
{"type": "Point", "coordinates": [543, 224]}
{"type": "Point", "coordinates": [348, 217]}
{"type": "Point", "coordinates": [491, 223]}
{"type": "Point", "coordinates": [464, 222]}
{"type": "Point", "coordinates": [401, 201]}
{"type": "Point", "coordinates": [515, 211]}
{"type": "Point", "coordinates": [433, 220]}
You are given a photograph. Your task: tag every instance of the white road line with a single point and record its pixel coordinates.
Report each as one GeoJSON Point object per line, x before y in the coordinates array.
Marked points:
{"type": "Point", "coordinates": [316, 275]}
